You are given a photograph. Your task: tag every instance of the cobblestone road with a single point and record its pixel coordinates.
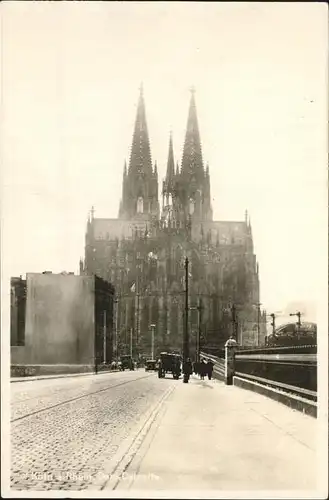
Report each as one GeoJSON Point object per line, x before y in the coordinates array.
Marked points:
{"type": "Point", "coordinates": [64, 431]}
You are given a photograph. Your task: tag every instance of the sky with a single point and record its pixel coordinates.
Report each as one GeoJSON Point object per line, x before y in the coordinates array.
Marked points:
{"type": "Point", "coordinates": [71, 73]}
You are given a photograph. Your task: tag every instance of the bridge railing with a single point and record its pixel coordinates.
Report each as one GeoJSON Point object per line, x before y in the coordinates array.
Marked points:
{"type": "Point", "coordinates": [290, 369]}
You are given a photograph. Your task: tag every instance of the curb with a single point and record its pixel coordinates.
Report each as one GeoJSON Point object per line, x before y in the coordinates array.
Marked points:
{"type": "Point", "coordinates": [294, 402]}
{"type": "Point", "coordinates": [129, 473]}
{"type": "Point", "coordinates": [63, 375]}
{"type": "Point", "coordinates": [115, 469]}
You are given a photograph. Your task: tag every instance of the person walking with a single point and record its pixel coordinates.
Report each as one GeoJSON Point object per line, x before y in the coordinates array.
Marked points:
{"type": "Point", "coordinates": [187, 368]}
{"type": "Point", "coordinates": [210, 367]}
{"type": "Point", "coordinates": [203, 369]}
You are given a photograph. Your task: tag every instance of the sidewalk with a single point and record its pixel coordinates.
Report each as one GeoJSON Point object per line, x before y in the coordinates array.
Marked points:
{"type": "Point", "coordinates": [216, 437]}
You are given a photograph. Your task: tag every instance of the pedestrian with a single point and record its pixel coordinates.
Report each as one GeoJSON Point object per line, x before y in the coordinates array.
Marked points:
{"type": "Point", "coordinates": [203, 369]}
{"type": "Point", "coordinates": [210, 367]}
{"type": "Point", "coordinates": [187, 368]}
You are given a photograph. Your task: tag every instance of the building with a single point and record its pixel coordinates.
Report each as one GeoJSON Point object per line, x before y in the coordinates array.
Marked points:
{"type": "Point", "coordinates": [142, 252]}
{"type": "Point", "coordinates": [17, 311]}
{"type": "Point", "coordinates": [61, 319]}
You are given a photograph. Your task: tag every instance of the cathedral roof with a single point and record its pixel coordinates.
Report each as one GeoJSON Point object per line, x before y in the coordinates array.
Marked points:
{"type": "Point", "coordinates": [227, 232]}
{"type": "Point", "coordinates": [110, 229]}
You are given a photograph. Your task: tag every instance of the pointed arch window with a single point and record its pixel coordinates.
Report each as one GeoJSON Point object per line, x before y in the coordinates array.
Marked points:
{"type": "Point", "coordinates": [191, 206]}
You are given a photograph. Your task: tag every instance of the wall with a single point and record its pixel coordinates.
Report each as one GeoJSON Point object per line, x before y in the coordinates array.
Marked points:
{"type": "Point", "coordinates": [59, 319]}
{"type": "Point", "coordinates": [20, 355]}
{"type": "Point", "coordinates": [17, 311]}
{"type": "Point", "coordinates": [104, 296]}
{"type": "Point", "coordinates": [13, 316]}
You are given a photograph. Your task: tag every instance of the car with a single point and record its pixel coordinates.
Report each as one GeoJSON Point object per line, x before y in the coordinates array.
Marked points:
{"type": "Point", "coordinates": [127, 362]}
{"type": "Point", "coordinates": [169, 363]}
{"type": "Point", "coordinates": [151, 365]}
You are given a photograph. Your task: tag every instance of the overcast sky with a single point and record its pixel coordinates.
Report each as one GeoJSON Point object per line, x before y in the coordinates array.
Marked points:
{"type": "Point", "coordinates": [71, 73]}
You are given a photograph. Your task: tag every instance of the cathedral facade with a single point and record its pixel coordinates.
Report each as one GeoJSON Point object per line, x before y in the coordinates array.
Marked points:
{"type": "Point", "coordinates": [143, 251]}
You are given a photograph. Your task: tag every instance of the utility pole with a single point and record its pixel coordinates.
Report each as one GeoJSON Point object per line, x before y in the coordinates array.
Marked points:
{"type": "Point", "coordinates": [186, 332]}
{"type": "Point", "coordinates": [298, 314]}
{"type": "Point", "coordinates": [116, 322]}
{"type": "Point", "coordinates": [131, 342]}
{"type": "Point", "coordinates": [198, 336]}
{"type": "Point", "coordinates": [152, 345]}
{"type": "Point", "coordinates": [95, 349]}
{"type": "Point", "coordinates": [137, 325]}
{"type": "Point", "coordinates": [198, 332]}
{"type": "Point", "coordinates": [258, 322]}
{"type": "Point", "coordinates": [138, 298]}
{"type": "Point", "coordinates": [104, 338]}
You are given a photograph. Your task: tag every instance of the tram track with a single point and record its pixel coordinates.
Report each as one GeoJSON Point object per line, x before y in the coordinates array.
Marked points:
{"type": "Point", "coordinates": [77, 398]}
{"type": "Point", "coordinates": [56, 391]}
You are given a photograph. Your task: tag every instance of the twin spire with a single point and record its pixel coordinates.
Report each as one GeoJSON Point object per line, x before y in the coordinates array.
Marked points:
{"type": "Point", "coordinates": [170, 165]}
{"type": "Point", "coordinates": [140, 157]}
{"type": "Point", "coordinates": [140, 179]}
{"type": "Point", "coordinates": [192, 162]}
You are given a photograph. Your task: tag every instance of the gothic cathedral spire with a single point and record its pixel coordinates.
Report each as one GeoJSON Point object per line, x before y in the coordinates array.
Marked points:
{"type": "Point", "coordinates": [140, 190]}
{"type": "Point", "coordinates": [169, 182]}
{"type": "Point", "coordinates": [194, 180]}
{"type": "Point", "coordinates": [140, 156]}
{"type": "Point", "coordinates": [192, 163]}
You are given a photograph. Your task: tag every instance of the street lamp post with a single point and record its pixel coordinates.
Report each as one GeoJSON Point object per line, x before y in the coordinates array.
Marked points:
{"type": "Point", "coordinates": [198, 333]}
{"type": "Point", "coordinates": [116, 322]}
{"type": "Point", "coordinates": [258, 304]}
{"type": "Point", "coordinates": [104, 339]}
{"type": "Point", "coordinates": [152, 344]}
{"type": "Point", "coordinates": [186, 332]}
{"type": "Point", "coordinates": [137, 299]}
{"type": "Point", "coordinates": [131, 342]}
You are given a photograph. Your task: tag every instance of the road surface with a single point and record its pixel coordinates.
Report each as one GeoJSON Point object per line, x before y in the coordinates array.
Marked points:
{"type": "Point", "coordinates": [64, 432]}
{"type": "Point", "coordinates": [134, 431]}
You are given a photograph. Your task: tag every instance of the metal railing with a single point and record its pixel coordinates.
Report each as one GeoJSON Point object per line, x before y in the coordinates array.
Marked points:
{"type": "Point", "coordinates": [294, 366]}
{"type": "Point", "coordinates": [290, 369]}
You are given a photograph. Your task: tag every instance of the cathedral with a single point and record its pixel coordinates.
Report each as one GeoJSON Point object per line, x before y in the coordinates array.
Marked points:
{"type": "Point", "coordinates": [142, 253]}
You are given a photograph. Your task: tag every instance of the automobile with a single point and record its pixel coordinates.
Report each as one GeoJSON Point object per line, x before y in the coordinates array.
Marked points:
{"type": "Point", "coordinates": [151, 365]}
{"type": "Point", "coordinates": [127, 363]}
{"type": "Point", "coordinates": [169, 363]}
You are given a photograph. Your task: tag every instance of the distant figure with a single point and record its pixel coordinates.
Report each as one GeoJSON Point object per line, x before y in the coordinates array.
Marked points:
{"type": "Point", "coordinates": [187, 368]}
{"type": "Point", "coordinates": [210, 367]}
{"type": "Point", "coordinates": [203, 369]}
{"type": "Point", "coordinates": [197, 367]}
